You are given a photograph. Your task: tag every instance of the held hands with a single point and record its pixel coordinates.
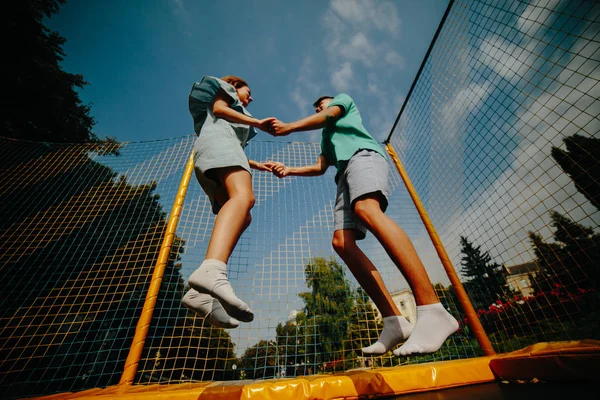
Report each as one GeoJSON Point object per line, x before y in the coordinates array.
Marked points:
{"type": "Point", "coordinates": [273, 126]}
{"type": "Point", "coordinates": [266, 124]}
{"type": "Point", "coordinates": [277, 168]}
{"type": "Point", "coordinates": [279, 128]}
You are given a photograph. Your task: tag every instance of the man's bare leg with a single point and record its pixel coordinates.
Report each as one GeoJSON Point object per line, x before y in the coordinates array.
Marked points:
{"type": "Point", "coordinates": [434, 322]}
{"type": "Point", "coordinates": [396, 328]}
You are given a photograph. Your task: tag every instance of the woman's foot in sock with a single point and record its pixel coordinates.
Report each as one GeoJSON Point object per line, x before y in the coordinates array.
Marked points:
{"type": "Point", "coordinates": [395, 330]}
{"type": "Point", "coordinates": [434, 325]}
{"type": "Point", "coordinates": [209, 308]}
{"type": "Point", "coordinates": [211, 278]}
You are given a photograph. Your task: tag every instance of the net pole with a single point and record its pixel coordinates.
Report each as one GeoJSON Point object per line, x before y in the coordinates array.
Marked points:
{"type": "Point", "coordinates": [141, 330]}
{"type": "Point", "coordinates": [467, 307]}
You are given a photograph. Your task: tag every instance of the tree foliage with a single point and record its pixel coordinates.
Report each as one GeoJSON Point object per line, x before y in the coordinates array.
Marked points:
{"type": "Point", "coordinates": [581, 161]}
{"type": "Point", "coordinates": [485, 279]}
{"type": "Point", "coordinates": [40, 99]}
{"type": "Point", "coordinates": [570, 260]}
{"type": "Point", "coordinates": [79, 246]}
{"type": "Point", "coordinates": [260, 360]}
{"type": "Point", "coordinates": [329, 303]}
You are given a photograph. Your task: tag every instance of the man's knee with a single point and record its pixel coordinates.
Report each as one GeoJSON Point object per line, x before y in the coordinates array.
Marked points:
{"type": "Point", "coordinates": [343, 241]}
{"type": "Point", "coordinates": [364, 210]}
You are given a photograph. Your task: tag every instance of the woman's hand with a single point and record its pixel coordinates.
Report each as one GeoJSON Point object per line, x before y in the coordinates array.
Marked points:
{"type": "Point", "coordinates": [265, 124]}
{"type": "Point", "coordinates": [260, 166]}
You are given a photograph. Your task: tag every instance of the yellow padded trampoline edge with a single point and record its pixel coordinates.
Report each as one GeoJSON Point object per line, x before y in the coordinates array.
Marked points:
{"type": "Point", "coordinates": [574, 360]}
{"type": "Point", "coordinates": [350, 385]}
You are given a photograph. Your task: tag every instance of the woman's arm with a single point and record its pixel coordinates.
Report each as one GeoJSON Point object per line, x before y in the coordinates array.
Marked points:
{"type": "Point", "coordinates": [222, 109]}
{"type": "Point", "coordinates": [260, 166]}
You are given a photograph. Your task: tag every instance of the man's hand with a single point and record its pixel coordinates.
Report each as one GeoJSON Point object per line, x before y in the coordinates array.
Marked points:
{"type": "Point", "coordinates": [265, 125]}
{"type": "Point", "coordinates": [278, 169]}
{"type": "Point", "coordinates": [280, 128]}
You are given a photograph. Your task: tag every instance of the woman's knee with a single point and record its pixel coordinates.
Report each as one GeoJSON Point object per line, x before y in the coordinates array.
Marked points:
{"type": "Point", "coordinates": [251, 200]}
{"type": "Point", "coordinates": [245, 200]}
{"type": "Point", "coordinates": [247, 221]}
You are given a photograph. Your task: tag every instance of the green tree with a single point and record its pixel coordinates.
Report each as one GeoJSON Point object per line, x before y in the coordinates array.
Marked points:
{"type": "Point", "coordinates": [261, 360]}
{"type": "Point", "coordinates": [328, 305]}
{"type": "Point", "coordinates": [364, 330]}
{"type": "Point", "coordinates": [78, 246]}
{"type": "Point", "coordinates": [581, 161]}
{"type": "Point", "coordinates": [183, 348]}
{"type": "Point", "coordinates": [485, 279]}
{"type": "Point", "coordinates": [40, 100]}
{"type": "Point", "coordinates": [570, 260]}
{"type": "Point", "coordinates": [293, 339]}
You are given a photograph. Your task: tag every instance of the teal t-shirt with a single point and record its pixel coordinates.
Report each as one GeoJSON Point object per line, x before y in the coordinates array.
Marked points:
{"type": "Point", "coordinates": [341, 141]}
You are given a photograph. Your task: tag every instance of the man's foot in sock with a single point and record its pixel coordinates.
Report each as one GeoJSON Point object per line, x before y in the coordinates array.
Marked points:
{"type": "Point", "coordinates": [211, 278]}
{"type": "Point", "coordinates": [209, 308]}
{"type": "Point", "coordinates": [434, 325]}
{"type": "Point", "coordinates": [395, 330]}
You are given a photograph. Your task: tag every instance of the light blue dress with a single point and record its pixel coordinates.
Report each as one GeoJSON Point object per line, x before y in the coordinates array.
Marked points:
{"type": "Point", "coordinates": [220, 143]}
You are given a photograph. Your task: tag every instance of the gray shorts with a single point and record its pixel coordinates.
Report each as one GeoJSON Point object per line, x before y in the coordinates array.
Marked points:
{"type": "Point", "coordinates": [366, 172]}
{"type": "Point", "coordinates": [214, 149]}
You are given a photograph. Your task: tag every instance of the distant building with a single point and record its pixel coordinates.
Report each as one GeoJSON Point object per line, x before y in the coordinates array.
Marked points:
{"type": "Point", "coordinates": [518, 277]}
{"type": "Point", "coordinates": [406, 303]}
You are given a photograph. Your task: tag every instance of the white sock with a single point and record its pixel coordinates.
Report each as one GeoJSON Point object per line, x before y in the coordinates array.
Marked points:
{"type": "Point", "coordinates": [395, 330]}
{"type": "Point", "coordinates": [434, 325]}
{"type": "Point", "coordinates": [209, 308]}
{"type": "Point", "coordinates": [211, 278]}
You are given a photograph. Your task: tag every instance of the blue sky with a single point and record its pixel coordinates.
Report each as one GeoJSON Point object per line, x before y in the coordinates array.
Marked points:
{"type": "Point", "coordinates": [141, 57]}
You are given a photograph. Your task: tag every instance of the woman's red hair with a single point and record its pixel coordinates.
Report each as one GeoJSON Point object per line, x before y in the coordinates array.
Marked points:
{"type": "Point", "coordinates": [235, 81]}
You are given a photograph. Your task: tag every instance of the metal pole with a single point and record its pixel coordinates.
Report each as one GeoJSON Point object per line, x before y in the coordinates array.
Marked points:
{"type": "Point", "coordinates": [463, 299]}
{"type": "Point", "coordinates": [141, 330]}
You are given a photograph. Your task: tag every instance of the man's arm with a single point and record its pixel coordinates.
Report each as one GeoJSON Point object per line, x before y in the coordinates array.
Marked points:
{"type": "Point", "coordinates": [316, 121]}
{"type": "Point", "coordinates": [318, 168]}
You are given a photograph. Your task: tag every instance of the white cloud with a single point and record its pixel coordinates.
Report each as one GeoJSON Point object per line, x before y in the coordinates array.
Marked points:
{"type": "Point", "coordinates": [521, 197]}
{"type": "Point", "coordinates": [306, 90]}
{"type": "Point", "coordinates": [460, 105]}
{"type": "Point", "coordinates": [300, 100]}
{"type": "Point", "coordinates": [177, 7]}
{"type": "Point", "coordinates": [362, 58]}
{"type": "Point", "coordinates": [359, 48]}
{"type": "Point", "coordinates": [369, 13]}
{"type": "Point", "coordinates": [353, 34]}
{"type": "Point", "coordinates": [340, 78]}
{"type": "Point", "coordinates": [179, 11]}
{"type": "Point", "coordinates": [372, 87]}
{"type": "Point", "coordinates": [393, 58]}
{"type": "Point", "coordinates": [536, 14]}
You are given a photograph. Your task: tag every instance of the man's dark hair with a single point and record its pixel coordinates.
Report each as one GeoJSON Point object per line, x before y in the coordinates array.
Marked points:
{"type": "Point", "coordinates": [316, 103]}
